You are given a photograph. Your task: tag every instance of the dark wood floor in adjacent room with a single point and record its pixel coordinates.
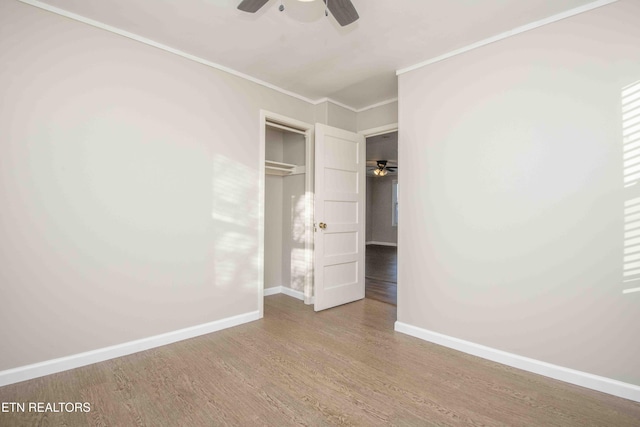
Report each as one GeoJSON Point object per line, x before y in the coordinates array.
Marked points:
{"type": "Point", "coordinates": [381, 272]}
{"type": "Point", "coordinates": [344, 366]}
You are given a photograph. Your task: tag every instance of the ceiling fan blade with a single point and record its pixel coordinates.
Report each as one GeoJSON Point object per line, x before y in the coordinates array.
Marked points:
{"type": "Point", "coordinates": [251, 6]}
{"type": "Point", "coordinates": [343, 10]}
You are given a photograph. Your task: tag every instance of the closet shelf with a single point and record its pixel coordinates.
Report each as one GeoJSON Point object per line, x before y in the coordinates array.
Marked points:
{"type": "Point", "coordinates": [282, 169]}
{"type": "Point", "coordinates": [271, 163]}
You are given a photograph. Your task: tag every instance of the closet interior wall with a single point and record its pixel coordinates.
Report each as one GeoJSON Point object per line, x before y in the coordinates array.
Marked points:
{"type": "Point", "coordinates": [284, 251]}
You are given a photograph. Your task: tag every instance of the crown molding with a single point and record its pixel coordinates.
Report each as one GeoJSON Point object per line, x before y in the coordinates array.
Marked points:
{"type": "Point", "coordinates": [149, 42]}
{"type": "Point", "coordinates": [356, 110]}
{"type": "Point", "coordinates": [339, 104]}
{"type": "Point", "coordinates": [377, 104]}
{"type": "Point", "coordinates": [169, 49]}
{"type": "Point", "coordinates": [507, 34]}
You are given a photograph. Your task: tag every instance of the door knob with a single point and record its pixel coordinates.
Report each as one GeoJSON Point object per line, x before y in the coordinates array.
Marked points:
{"type": "Point", "coordinates": [323, 225]}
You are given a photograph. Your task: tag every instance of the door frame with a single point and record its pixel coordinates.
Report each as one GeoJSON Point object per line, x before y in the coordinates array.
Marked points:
{"type": "Point", "coordinates": [310, 157]}
{"type": "Point", "coordinates": [309, 160]}
{"type": "Point", "coordinates": [380, 130]}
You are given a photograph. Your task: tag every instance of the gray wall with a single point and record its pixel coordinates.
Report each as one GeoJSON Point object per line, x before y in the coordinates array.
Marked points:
{"type": "Point", "coordinates": [511, 227]}
{"type": "Point", "coordinates": [341, 117]}
{"type": "Point", "coordinates": [379, 116]}
{"type": "Point", "coordinates": [331, 114]}
{"type": "Point", "coordinates": [129, 187]}
{"type": "Point", "coordinates": [379, 210]}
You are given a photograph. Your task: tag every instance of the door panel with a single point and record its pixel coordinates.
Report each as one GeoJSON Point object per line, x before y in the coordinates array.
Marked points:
{"type": "Point", "coordinates": [340, 243]}
{"type": "Point", "coordinates": [341, 181]}
{"type": "Point", "coordinates": [341, 274]}
{"type": "Point", "coordinates": [340, 212]}
{"type": "Point", "coordinates": [340, 204]}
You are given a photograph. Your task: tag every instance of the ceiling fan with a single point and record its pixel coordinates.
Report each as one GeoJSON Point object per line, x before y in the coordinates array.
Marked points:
{"type": "Point", "coordinates": [343, 10]}
{"type": "Point", "coordinates": [382, 167]}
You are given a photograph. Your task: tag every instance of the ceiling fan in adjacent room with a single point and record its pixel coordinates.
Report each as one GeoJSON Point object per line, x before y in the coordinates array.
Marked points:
{"type": "Point", "coordinates": [382, 167]}
{"type": "Point", "coordinates": [342, 10]}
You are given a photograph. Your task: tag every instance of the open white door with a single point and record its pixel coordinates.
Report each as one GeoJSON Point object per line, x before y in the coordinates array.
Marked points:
{"type": "Point", "coordinates": [339, 217]}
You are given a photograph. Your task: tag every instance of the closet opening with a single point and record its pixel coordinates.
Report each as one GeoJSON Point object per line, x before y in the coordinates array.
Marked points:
{"type": "Point", "coordinates": [286, 206]}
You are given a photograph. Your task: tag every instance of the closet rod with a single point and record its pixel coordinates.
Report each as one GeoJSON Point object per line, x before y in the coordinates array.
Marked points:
{"type": "Point", "coordinates": [287, 128]}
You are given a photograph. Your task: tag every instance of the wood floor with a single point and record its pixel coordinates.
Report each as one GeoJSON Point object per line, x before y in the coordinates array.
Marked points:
{"type": "Point", "coordinates": [344, 366]}
{"type": "Point", "coordinates": [381, 272]}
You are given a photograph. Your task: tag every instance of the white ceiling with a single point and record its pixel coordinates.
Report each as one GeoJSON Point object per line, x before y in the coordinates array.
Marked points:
{"type": "Point", "coordinates": [302, 51]}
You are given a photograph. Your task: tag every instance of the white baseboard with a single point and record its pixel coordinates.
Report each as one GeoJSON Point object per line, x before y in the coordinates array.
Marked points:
{"type": "Point", "coordinates": [583, 379]}
{"type": "Point", "coordinates": [284, 290]}
{"type": "Point", "coordinates": [23, 373]}
{"type": "Point", "coordinates": [272, 291]}
{"type": "Point", "coordinates": [373, 242]}
{"type": "Point", "coordinates": [287, 291]}
{"type": "Point", "coordinates": [293, 293]}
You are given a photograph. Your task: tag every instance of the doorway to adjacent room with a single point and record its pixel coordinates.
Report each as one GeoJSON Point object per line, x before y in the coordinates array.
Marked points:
{"type": "Point", "coordinates": [381, 256]}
